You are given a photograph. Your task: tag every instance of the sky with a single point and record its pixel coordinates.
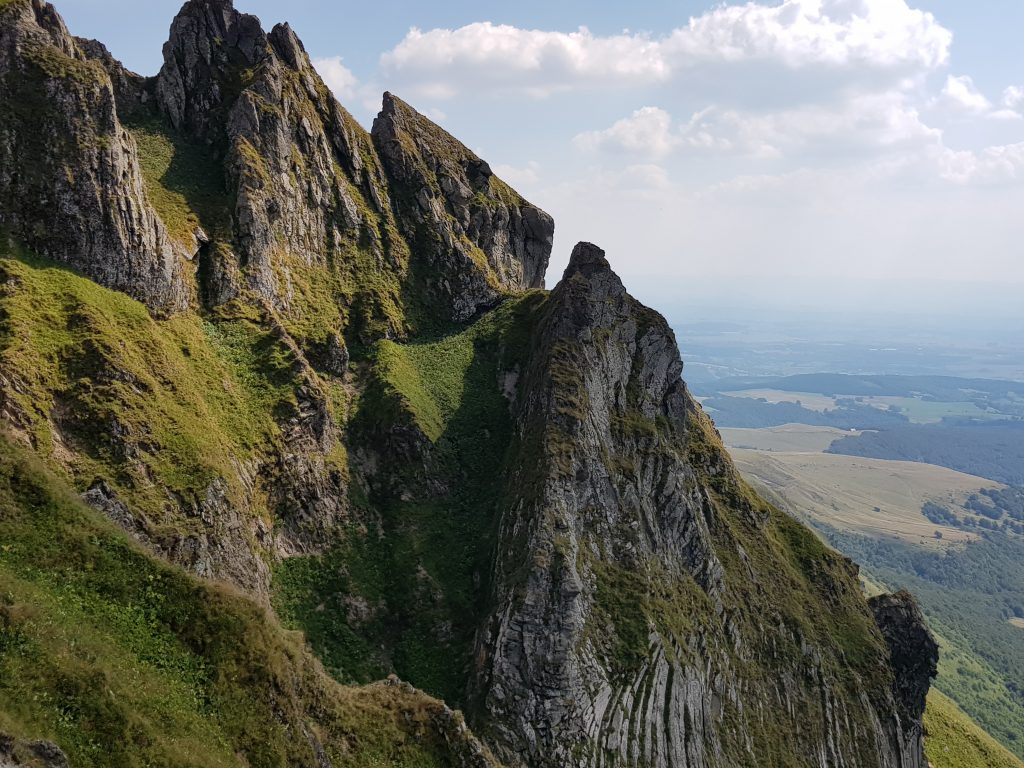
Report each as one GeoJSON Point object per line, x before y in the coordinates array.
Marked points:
{"type": "Point", "coordinates": [802, 154]}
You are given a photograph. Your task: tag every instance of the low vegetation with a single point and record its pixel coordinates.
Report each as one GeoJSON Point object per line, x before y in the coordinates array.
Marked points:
{"type": "Point", "coordinates": [125, 661]}
{"type": "Point", "coordinates": [185, 182]}
{"type": "Point", "coordinates": [403, 589]}
{"type": "Point", "coordinates": [953, 740]}
{"type": "Point", "coordinates": [152, 405]}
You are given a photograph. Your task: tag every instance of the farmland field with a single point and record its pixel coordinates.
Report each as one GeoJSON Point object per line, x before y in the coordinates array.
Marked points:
{"type": "Point", "coordinates": [875, 497]}
{"type": "Point", "coordinates": [917, 410]}
{"type": "Point", "coordinates": [796, 438]}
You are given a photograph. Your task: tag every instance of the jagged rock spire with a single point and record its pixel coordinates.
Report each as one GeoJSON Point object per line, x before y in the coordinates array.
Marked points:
{"type": "Point", "coordinates": [210, 43]}
{"type": "Point", "coordinates": [453, 202]}
{"type": "Point", "coordinates": [587, 259]}
{"type": "Point", "coordinates": [71, 186]}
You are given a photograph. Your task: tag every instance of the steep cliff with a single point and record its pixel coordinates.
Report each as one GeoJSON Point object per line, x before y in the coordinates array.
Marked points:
{"type": "Point", "coordinates": [235, 154]}
{"type": "Point", "coordinates": [643, 592]}
{"type": "Point", "coordinates": [345, 393]}
{"type": "Point", "coordinates": [71, 186]}
{"type": "Point", "coordinates": [473, 235]}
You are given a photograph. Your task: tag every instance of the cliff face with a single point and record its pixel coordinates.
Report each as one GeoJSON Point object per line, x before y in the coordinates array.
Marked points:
{"type": "Point", "coordinates": [70, 183]}
{"type": "Point", "coordinates": [345, 393]}
{"type": "Point", "coordinates": [640, 583]}
{"type": "Point", "coordinates": [470, 229]}
{"type": "Point", "coordinates": [317, 198]}
{"type": "Point", "coordinates": [296, 222]}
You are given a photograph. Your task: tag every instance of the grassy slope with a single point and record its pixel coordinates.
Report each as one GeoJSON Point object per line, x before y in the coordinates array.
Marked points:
{"type": "Point", "coordinates": [954, 741]}
{"type": "Point", "coordinates": [963, 673]}
{"type": "Point", "coordinates": [184, 181]}
{"type": "Point", "coordinates": [125, 661]}
{"type": "Point", "coordinates": [404, 594]}
{"type": "Point", "coordinates": [191, 396]}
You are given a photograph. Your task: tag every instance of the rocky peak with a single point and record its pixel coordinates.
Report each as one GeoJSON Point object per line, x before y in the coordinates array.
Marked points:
{"type": "Point", "coordinates": [210, 48]}
{"type": "Point", "coordinates": [71, 186]}
{"type": "Point", "coordinates": [592, 304]}
{"type": "Point", "coordinates": [40, 20]}
{"type": "Point", "coordinates": [478, 236]}
{"type": "Point", "coordinates": [588, 260]}
{"type": "Point", "coordinates": [288, 46]}
{"type": "Point", "coordinates": [622, 492]}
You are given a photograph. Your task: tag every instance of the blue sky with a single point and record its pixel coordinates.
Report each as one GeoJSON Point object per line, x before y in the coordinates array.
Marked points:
{"type": "Point", "coordinates": [806, 148]}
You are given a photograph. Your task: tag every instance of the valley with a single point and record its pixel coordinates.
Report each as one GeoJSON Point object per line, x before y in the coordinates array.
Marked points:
{"type": "Point", "coordinates": [870, 490]}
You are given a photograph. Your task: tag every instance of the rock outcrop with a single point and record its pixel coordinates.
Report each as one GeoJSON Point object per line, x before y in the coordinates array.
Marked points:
{"type": "Point", "coordinates": [31, 754]}
{"type": "Point", "coordinates": [316, 196]}
{"type": "Point", "coordinates": [639, 582]}
{"type": "Point", "coordinates": [914, 655]}
{"type": "Point", "coordinates": [71, 187]}
{"type": "Point", "coordinates": [472, 235]}
{"type": "Point", "coordinates": [309, 194]}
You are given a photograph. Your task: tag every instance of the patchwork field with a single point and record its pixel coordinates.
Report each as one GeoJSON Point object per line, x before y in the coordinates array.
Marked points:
{"type": "Point", "coordinates": [917, 410]}
{"type": "Point", "coordinates": [811, 400]}
{"type": "Point", "coordinates": [870, 496]}
{"type": "Point", "coordinates": [797, 438]}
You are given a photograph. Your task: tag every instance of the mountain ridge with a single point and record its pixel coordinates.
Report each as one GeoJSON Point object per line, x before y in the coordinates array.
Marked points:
{"type": "Point", "coordinates": [344, 380]}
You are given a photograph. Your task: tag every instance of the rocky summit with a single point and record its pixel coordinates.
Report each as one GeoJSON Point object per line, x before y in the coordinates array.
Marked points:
{"type": "Point", "coordinates": [295, 445]}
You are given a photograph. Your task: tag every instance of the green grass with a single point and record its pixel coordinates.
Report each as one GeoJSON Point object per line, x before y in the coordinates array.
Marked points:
{"type": "Point", "coordinates": [184, 180]}
{"type": "Point", "coordinates": [54, 63]}
{"type": "Point", "coordinates": [953, 740]}
{"type": "Point", "coordinates": [404, 587]}
{"type": "Point", "coordinates": [153, 406]}
{"type": "Point", "coordinates": [125, 661]}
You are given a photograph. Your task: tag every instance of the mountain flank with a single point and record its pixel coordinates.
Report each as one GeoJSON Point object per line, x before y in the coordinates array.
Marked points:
{"type": "Point", "coordinates": [264, 371]}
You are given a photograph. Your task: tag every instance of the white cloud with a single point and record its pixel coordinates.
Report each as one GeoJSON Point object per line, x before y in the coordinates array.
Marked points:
{"type": "Point", "coordinates": [859, 37]}
{"type": "Point", "coordinates": [861, 124]}
{"type": "Point", "coordinates": [826, 127]}
{"type": "Point", "coordinates": [645, 178]}
{"type": "Point", "coordinates": [960, 96]}
{"type": "Point", "coordinates": [648, 131]}
{"type": "Point", "coordinates": [960, 93]}
{"type": "Point", "coordinates": [337, 76]}
{"type": "Point", "coordinates": [1013, 97]}
{"type": "Point", "coordinates": [871, 33]}
{"type": "Point", "coordinates": [442, 61]}
{"type": "Point", "coordinates": [992, 165]}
